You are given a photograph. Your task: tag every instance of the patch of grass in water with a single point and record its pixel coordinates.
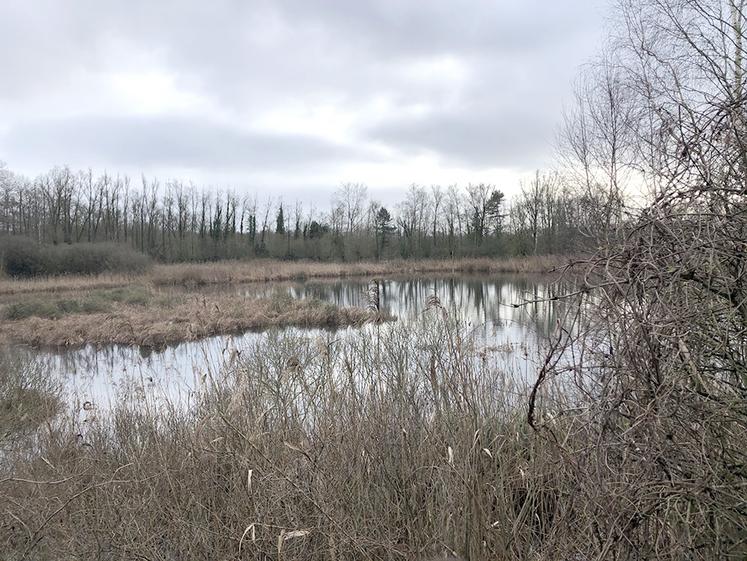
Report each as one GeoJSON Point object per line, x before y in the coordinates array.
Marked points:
{"type": "Point", "coordinates": [55, 308]}
{"type": "Point", "coordinates": [52, 309]}
{"type": "Point", "coordinates": [130, 295]}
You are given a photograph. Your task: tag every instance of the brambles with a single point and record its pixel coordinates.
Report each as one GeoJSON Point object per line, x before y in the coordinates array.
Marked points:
{"type": "Point", "coordinates": [662, 360]}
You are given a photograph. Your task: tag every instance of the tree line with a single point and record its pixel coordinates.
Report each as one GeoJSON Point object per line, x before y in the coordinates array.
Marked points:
{"type": "Point", "coordinates": [174, 221]}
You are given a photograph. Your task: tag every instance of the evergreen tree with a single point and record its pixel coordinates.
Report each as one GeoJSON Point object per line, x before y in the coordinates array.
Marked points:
{"type": "Point", "coordinates": [382, 229]}
{"type": "Point", "coordinates": [280, 221]}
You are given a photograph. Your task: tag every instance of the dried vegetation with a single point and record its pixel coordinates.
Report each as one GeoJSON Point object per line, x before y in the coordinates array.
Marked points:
{"type": "Point", "coordinates": [154, 319]}
{"type": "Point", "coordinates": [265, 270]}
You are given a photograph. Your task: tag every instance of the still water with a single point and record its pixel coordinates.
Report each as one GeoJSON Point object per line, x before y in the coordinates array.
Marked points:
{"type": "Point", "coordinates": [484, 306]}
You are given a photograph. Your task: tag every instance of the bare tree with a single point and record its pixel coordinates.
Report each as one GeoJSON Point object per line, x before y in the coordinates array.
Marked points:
{"type": "Point", "coordinates": [350, 198]}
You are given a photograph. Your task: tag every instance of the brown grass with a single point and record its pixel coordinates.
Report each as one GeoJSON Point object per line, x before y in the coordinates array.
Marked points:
{"type": "Point", "coordinates": [178, 317]}
{"type": "Point", "coordinates": [10, 286]}
{"type": "Point", "coordinates": [160, 308]}
{"type": "Point", "coordinates": [264, 270]}
{"type": "Point", "coordinates": [408, 442]}
{"type": "Point", "coordinates": [303, 451]}
{"type": "Point", "coordinates": [268, 270]}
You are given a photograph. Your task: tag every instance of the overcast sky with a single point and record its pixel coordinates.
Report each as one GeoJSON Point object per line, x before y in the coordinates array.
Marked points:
{"type": "Point", "coordinates": [292, 96]}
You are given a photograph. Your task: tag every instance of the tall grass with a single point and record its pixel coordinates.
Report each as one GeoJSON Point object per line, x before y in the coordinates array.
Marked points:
{"type": "Point", "coordinates": [265, 270]}
{"type": "Point", "coordinates": [401, 441]}
{"type": "Point", "coordinates": [328, 448]}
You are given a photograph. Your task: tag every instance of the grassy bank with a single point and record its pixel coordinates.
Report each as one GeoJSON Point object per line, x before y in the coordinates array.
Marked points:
{"type": "Point", "coordinates": [224, 272]}
{"type": "Point", "coordinates": [148, 317]}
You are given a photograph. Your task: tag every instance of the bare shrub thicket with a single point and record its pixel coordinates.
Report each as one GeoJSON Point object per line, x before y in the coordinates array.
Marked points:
{"type": "Point", "coordinates": [24, 258]}
{"type": "Point", "coordinates": [28, 400]}
{"type": "Point", "coordinates": [663, 363]}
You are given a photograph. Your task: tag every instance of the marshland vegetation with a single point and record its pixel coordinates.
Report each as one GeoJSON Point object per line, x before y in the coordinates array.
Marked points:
{"type": "Point", "coordinates": [192, 275]}
{"type": "Point", "coordinates": [154, 319]}
{"type": "Point", "coordinates": [401, 443]}
{"type": "Point", "coordinates": [184, 302]}
{"type": "Point", "coordinates": [620, 436]}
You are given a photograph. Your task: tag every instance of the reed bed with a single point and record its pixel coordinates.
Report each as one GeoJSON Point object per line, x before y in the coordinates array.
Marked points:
{"type": "Point", "coordinates": [399, 442]}
{"type": "Point", "coordinates": [155, 319]}
{"type": "Point", "coordinates": [165, 306]}
{"type": "Point", "coordinates": [265, 270]}
{"type": "Point", "coordinates": [402, 441]}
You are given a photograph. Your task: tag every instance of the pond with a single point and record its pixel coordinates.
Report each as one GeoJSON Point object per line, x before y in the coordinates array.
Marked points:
{"type": "Point", "coordinates": [484, 306]}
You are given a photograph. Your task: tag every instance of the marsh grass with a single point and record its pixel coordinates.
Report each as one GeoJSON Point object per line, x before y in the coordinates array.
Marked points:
{"type": "Point", "coordinates": [28, 398]}
{"type": "Point", "coordinates": [170, 305]}
{"type": "Point", "coordinates": [265, 270]}
{"type": "Point", "coordinates": [403, 441]}
{"type": "Point", "coordinates": [305, 448]}
{"type": "Point", "coordinates": [51, 309]}
{"type": "Point", "coordinates": [151, 318]}
{"type": "Point", "coordinates": [55, 307]}
{"type": "Point", "coordinates": [226, 272]}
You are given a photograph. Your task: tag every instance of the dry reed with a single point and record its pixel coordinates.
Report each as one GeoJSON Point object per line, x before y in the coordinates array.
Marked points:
{"type": "Point", "coordinates": [407, 441]}
{"type": "Point", "coordinates": [306, 449]}
{"type": "Point", "coordinates": [265, 270]}
{"type": "Point", "coordinates": [179, 317]}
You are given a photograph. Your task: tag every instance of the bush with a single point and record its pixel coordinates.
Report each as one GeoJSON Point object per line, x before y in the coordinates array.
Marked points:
{"type": "Point", "coordinates": [29, 398]}
{"type": "Point", "coordinates": [21, 257]}
{"type": "Point", "coordinates": [92, 259]}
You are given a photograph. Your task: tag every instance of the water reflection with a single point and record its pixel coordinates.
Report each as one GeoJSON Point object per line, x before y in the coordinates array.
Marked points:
{"type": "Point", "coordinates": [484, 306]}
{"type": "Point", "coordinates": [480, 301]}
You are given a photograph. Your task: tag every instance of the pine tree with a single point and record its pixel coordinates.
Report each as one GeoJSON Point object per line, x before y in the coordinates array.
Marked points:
{"type": "Point", "coordinates": [280, 221]}
{"type": "Point", "coordinates": [382, 229]}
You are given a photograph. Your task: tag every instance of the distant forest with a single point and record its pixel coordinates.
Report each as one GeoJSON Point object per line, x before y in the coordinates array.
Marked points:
{"type": "Point", "coordinates": [173, 221]}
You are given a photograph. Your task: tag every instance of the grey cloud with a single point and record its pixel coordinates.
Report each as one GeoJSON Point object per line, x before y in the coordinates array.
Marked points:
{"type": "Point", "coordinates": [512, 140]}
{"type": "Point", "coordinates": [247, 57]}
{"type": "Point", "coordinates": [238, 49]}
{"type": "Point", "coordinates": [446, 27]}
{"type": "Point", "coordinates": [503, 118]}
{"type": "Point", "coordinates": [168, 141]}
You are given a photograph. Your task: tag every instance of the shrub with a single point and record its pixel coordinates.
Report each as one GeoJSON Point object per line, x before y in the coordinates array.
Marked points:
{"type": "Point", "coordinates": [21, 257]}
{"type": "Point", "coordinates": [91, 259]}
{"type": "Point", "coordinates": [29, 398]}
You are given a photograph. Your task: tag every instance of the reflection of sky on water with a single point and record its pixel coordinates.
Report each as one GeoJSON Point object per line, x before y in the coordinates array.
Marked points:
{"type": "Point", "coordinates": [484, 306]}
{"type": "Point", "coordinates": [486, 303]}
